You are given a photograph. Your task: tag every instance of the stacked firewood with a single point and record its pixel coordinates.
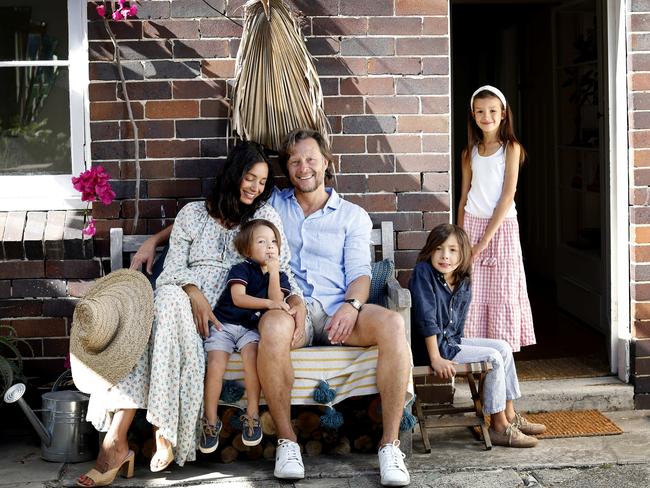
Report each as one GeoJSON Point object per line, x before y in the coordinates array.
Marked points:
{"type": "Point", "coordinates": [360, 432]}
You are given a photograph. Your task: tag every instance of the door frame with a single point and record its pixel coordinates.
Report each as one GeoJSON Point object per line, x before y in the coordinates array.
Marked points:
{"type": "Point", "coordinates": [619, 177]}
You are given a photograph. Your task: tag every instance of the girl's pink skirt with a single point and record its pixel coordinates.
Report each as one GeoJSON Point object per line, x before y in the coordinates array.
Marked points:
{"type": "Point", "coordinates": [500, 308]}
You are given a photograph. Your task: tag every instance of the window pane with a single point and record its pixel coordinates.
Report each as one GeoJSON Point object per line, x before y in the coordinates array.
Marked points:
{"type": "Point", "coordinates": [35, 121]}
{"type": "Point", "coordinates": [33, 30]}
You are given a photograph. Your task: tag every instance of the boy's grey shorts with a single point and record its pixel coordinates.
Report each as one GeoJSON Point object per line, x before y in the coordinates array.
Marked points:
{"type": "Point", "coordinates": [230, 338]}
{"type": "Point", "coordinates": [315, 323]}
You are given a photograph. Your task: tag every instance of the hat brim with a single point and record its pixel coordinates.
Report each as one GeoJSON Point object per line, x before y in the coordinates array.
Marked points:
{"type": "Point", "coordinates": [132, 296]}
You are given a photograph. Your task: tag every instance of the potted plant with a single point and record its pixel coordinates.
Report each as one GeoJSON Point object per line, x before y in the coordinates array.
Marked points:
{"type": "Point", "coordinates": [11, 360]}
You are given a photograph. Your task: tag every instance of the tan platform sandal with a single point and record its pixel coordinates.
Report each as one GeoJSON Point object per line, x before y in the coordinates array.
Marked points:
{"type": "Point", "coordinates": [125, 468]}
{"type": "Point", "coordinates": [154, 465]}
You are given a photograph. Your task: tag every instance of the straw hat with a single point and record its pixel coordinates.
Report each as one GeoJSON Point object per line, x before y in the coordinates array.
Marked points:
{"type": "Point", "coordinates": [110, 329]}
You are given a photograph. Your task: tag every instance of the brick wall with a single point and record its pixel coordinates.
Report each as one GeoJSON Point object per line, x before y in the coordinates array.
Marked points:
{"type": "Point", "coordinates": [638, 45]}
{"type": "Point", "coordinates": [384, 68]}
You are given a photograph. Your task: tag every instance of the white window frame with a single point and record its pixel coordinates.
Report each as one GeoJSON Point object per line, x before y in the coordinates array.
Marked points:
{"type": "Point", "coordinates": [55, 192]}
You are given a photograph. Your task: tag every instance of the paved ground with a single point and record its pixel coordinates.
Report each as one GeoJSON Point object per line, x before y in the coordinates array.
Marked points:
{"type": "Point", "coordinates": [457, 460]}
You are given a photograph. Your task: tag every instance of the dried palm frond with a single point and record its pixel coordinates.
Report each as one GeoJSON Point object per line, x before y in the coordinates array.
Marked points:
{"type": "Point", "coordinates": [276, 87]}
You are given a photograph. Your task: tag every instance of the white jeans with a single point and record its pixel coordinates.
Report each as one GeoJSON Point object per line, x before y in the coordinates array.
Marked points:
{"type": "Point", "coordinates": [501, 383]}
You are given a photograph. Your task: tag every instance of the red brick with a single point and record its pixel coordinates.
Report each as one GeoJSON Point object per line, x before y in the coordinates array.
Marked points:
{"type": "Point", "coordinates": [641, 329]}
{"type": "Point", "coordinates": [426, 202]}
{"type": "Point", "coordinates": [431, 219]}
{"type": "Point", "coordinates": [171, 29]}
{"type": "Point", "coordinates": [339, 26]}
{"type": "Point", "coordinates": [638, 62]}
{"type": "Point", "coordinates": [364, 163]}
{"type": "Point", "coordinates": [394, 144]}
{"type": "Point", "coordinates": [641, 311]}
{"type": "Point", "coordinates": [201, 49]}
{"type": "Point", "coordinates": [199, 89]}
{"type": "Point", "coordinates": [411, 240]}
{"type": "Point", "coordinates": [102, 151]}
{"type": "Point", "coordinates": [39, 327]}
{"type": "Point", "coordinates": [392, 105]}
{"type": "Point", "coordinates": [111, 211]}
{"type": "Point", "coordinates": [147, 90]}
{"type": "Point", "coordinates": [422, 162]}
{"type": "Point", "coordinates": [375, 202]}
{"type": "Point", "coordinates": [21, 308]}
{"type": "Point", "coordinates": [21, 269]}
{"type": "Point", "coordinates": [104, 131]}
{"type": "Point", "coordinates": [73, 268]}
{"type": "Point", "coordinates": [422, 86]}
{"type": "Point", "coordinates": [214, 108]}
{"type": "Point", "coordinates": [394, 182]}
{"type": "Point", "coordinates": [122, 30]}
{"type": "Point", "coordinates": [641, 157]}
{"type": "Point", "coordinates": [423, 123]}
{"type": "Point", "coordinates": [641, 254]}
{"type": "Point", "coordinates": [343, 105]}
{"type": "Point", "coordinates": [639, 215]}
{"type": "Point", "coordinates": [174, 188]}
{"type": "Point", "coordinates": [102, 92]}
{"type": "Point", "coordinates": [394, 65]}
{"type": "Point", "coordinates": [639, 81]}
{"type": "Point", "coordinates": [395, 26]}
{"type": "Point", "coordinates": [401, 220]}
{"type": "Point", "coordinates": [425, 46]}
{"type": "Point", "coordinates": [339, 66]}
{"type": "Point", "coordinates": [172, 109]}
{"type": "Point", "coordinates": [367, 86]}
{"type": "Point", "coordinates": [640, 234]}
{"type": "Point", "coordinates": [148, 129]}
{"type": "Point", "coordinates": [149, 169]}
{"type": "Point", "coordinates": [421, 7]}
{"type": "Point", "coordinates": [435, 182]}
{"type": "Point", "coordinates": [435, 26]}
{"type": "Point", "coordinates": [114, 110]}
{"type": "Point", "coordinates": [405, 259]}
{"type": "Point", "coordinates": [640, 138]}
{"type": "Point", "coordinates": [640, 120]}
{"type": "Point", "coordinates": [435, 65]}
{"type": "Point", "coordinates": [220, 28]}
{"type": "Point", "coordinates": [351, 183]}
{"type": "Point", "coordinates": [150, 209]}
{"type": "Point", "coordinates": [218, 68]}
{"type": "Point", "coordinates": [355, 7]}
{"type": "Point", "coordinates": [314, 9]}
{"type": "Point", "coordinates": [642, 176]}
{"type": "Point", "coordinates": [639, 22]}
{"type": "Point", "coordinates": [56, 347]}
{"type": "Point", "coordinates": [173, 148]}
{"type": "Point", "coordinates": [641, 291]}
{"type": "Point", "coordinates": [145, 50]}
{"type": "Point", "coordinates": [348, 144]}
{"type": "Point", "coordinates": [435, 143]}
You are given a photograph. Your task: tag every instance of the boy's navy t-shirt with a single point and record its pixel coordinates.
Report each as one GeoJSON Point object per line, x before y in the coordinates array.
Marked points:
{"type": "Point", "coordinates": [249, 274]}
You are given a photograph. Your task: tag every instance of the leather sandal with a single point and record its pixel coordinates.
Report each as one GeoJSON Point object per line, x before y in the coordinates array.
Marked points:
{"type": "Point", "coordinates": [168, 454]}
{"type": "Point", "coordinates": [125, 468]}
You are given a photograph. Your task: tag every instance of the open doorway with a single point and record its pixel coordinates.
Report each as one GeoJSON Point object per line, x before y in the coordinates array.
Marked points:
{"type": "Point", "coordinates": [548, 58]}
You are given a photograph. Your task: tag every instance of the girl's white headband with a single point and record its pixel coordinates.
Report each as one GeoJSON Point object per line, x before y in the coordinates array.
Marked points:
{"type": "Point", "coordinates": [491, 89]}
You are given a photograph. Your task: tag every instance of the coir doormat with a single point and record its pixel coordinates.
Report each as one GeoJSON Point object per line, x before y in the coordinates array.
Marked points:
{"type": "Point", "coordinates": [579, 423]}
{"type": "Point", "coordinates": [589, 366]}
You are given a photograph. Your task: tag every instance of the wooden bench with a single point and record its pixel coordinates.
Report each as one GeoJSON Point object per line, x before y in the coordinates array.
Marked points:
{"type": "Point", "coordinates": [434, 398]}
{"type": "Point", "coordinates": [350, 370]}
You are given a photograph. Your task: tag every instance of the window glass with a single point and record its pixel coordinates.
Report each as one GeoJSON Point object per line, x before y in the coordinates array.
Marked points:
{"type": "Point", "coordinates": [33, 30]}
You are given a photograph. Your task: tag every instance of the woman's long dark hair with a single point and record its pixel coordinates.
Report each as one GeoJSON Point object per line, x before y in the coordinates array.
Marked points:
{"type": "Point", "coordinates": [224, 203]}
{"type": "Point", "coordinates": [440, 234]}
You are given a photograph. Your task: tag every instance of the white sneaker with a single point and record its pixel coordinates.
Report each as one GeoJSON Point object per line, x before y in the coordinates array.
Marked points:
{"type": "Point", "coordinates": [391, 465]}
{"type": "Point", "coordinates": [288, 461]}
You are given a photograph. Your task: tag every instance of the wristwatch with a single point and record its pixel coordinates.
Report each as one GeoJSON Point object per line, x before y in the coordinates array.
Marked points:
{"type": "Point", "coordinates": [355, 303]}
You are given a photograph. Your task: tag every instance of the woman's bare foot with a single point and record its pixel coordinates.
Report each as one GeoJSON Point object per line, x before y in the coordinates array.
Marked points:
{"type": "Point", "coordinates": [111, 453]}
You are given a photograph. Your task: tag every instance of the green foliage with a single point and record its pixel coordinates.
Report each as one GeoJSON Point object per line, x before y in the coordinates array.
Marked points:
{"type": "Point", "coordinates": [11, 360]}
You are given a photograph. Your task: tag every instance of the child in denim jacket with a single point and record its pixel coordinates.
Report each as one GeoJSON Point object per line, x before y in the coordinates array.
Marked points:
{"type": "Point", "coordinates": [441, 292]}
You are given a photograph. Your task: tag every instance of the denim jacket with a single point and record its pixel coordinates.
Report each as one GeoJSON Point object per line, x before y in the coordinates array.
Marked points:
{"type": "Point", "coordinates": [436, 310]}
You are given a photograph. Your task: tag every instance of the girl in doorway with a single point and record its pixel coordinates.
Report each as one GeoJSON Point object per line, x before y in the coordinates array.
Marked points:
{"type": "Point", "coordinates": [441, 293]}
{"type": "Point", "coordinates": [490, 167]}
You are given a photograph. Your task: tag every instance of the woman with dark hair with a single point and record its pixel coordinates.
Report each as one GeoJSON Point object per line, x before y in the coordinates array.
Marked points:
{"type": "Point", "coordinates": [168, 379]}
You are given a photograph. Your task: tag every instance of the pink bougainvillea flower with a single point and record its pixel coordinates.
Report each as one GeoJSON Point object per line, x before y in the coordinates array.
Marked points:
{"type": "Point", "coordinates": [90, 228]}
{"type": "Point", "coordinates": [101, 10]}
{"type": "Point", "coordinates": [117, 15]}
{"type": "Point", "coordinates": [133, 11]}
{"type": "Point", "coordinates": [122, 2]}
{"type": "Point", "coordinates": [93, 184]}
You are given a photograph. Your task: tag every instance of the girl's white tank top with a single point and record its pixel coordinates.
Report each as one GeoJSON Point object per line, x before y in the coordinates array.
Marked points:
{"type": "Point", "coordinates": [488, 174]}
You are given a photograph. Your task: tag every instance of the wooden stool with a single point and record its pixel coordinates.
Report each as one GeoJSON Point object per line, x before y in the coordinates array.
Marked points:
{"type": "Point", "coordinates": [435, 396]}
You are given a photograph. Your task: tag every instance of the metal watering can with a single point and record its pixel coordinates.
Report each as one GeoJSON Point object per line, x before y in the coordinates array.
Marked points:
{"type": "Point", "coordinates": [65, 434]}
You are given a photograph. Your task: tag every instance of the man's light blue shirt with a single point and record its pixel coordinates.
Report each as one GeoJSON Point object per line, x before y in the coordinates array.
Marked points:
{"type": "Point", "coordinates": [329, 248]}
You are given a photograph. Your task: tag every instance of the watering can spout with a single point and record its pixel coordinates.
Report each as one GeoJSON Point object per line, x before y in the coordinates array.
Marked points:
{"type": "Point", "coordinates": [15, 394]}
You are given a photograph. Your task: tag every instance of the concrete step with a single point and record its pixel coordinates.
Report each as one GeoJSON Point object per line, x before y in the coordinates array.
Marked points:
{"type": "Point", "coordinates": [605, 393]}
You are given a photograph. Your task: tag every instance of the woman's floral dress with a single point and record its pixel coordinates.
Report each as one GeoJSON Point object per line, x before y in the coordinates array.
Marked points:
{"type": "Point", "coordinates": [168, 378]}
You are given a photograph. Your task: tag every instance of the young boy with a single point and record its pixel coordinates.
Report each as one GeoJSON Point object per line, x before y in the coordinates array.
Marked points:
{"type": "Point", "coordinates": [255, 285]}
